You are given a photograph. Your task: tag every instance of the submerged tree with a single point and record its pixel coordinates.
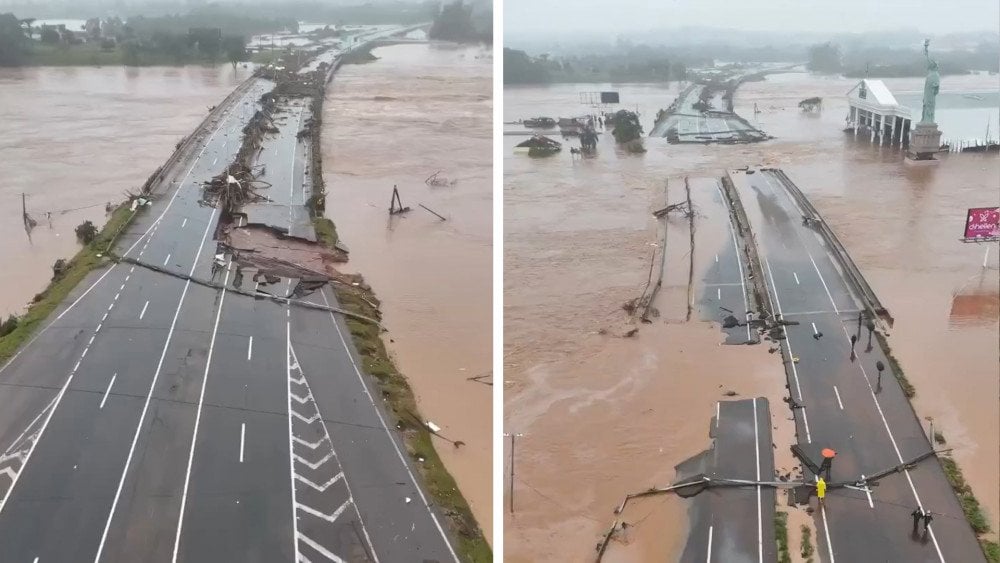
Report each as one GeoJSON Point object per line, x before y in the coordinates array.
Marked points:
{"type": "Point", "coordinates": [454, 23]}
{"type": "Point", "coordinates": [627, 126]}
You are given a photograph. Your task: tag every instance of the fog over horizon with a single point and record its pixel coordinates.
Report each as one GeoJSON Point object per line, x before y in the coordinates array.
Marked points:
{"type": "Point", "coordinates": [561, 20]}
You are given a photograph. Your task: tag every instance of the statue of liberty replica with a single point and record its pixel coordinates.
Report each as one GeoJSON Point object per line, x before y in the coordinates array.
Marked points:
{"type": "Point", "coordinates": [925, 139]}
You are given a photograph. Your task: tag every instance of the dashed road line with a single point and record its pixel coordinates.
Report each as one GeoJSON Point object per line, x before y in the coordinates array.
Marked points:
{"type": "Point", "coordinates": [250, 349]}
{"type": "Point", "coordinates": [201, 404]}
{"type": "Point", "coordinates": [839, 402]}
{"type": "Point", "coordinates": [709, 557]}
{"type": "Point", "coordinates": [149, 395]}
{"type": "Point", "coordinates": [143, 312]}
{"type": "Point", "coordinates": [184, 222]}
{"type": "Point", "coordinates": [108, 391]}
{"type": "Point", "coordinates": [167, 259]}
{"type": "Point", "coordinates": [796, 278]}
{"type": "Point", "coordinates": [243, 436]}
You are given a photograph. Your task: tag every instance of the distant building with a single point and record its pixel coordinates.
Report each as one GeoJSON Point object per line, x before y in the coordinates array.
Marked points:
{"type": "Point", "coordinates": [875, 111]}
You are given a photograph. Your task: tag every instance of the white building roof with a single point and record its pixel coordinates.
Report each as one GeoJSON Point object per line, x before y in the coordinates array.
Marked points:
{"type": "Point", "coordinates": [874, 95]}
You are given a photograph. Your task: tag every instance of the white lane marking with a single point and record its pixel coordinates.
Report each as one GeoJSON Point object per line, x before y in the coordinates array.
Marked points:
{"type": "Point", "coordinates": [839, 402]}
{"type": "Point", "coordinates": [892, 439]}
{"type": "Point", "coordinates": [143, 312]}
{"type": "Point", "coordinates": [170, 203]}
{"type": "Point", "coordinates": [828, 294]}
{"type": "Point", "coordinates": [805, 422]}
{"type": "Point", "coordinates": [250, 349]}
{"type": "Point", "coordinates": [868, 492]}
{"type": "Point", "coordinates": [216, 161]}
{"type": "Point", "coordinates": [791, 355]}
{"type": "Point", "coordinates": [184, 222]}
{"type": "Point", "coordinates": [36, 560]}
{"type": "Point", "coordinates": [105, 317]}
{"type": "Point", "coordinates": [291, 444]}
{"type": "Point", "coordinates": [392, 439]}
{"type": "Point", "coordinates": [149, 395]}
{"type": "Point", "coordinates": [310, 445]}
{"type": "Point", "coordinates": [845, 311]}
{"type": "Point", "coordinates": [760, 522]}
{"type": "Point", "coordinates": [197, 417]}
{"type": "Point", "coordinates": [716, 260]}
{"type": "Point", "coordinates": [167, 259]}
{"type": "Point", "coordinates": [309, 420]}
{"type": "Point", "coordinates": [117, 295]}
{"type": "Point", "coordinates": [814, 329]}
{"type": "Point", "coordinates": [739, 263]}
{"type": "Point", "coordinates": [99, 325]}
{"type": "Point", "coordinates": [718, 293]}
{"type": "Point", "coordinates": [122, 286]}
{"type": "Point", "coordinates": [796, 278]}
{"type": "Point", "coordinates": [717, 414]}
{"type": "Point", "coordinates": [243, 435]}
{"type": "Point", "coordinates": [291, 176]}
{"type": "Point", "coordinates": [826, 529]}
{"type": "Point", "coordinates": [709, 557]}
{"type": "Point", "coordinates": [108, 391]}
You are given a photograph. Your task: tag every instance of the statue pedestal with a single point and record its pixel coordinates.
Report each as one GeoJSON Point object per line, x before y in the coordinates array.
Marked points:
{"type": "Point", "coordinates": [925, 141]}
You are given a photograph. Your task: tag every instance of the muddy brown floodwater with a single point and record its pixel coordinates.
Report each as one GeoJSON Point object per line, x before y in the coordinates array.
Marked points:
{"type": "Point", "coordinates": [418, 110]}
{"type": "Point", "coordinates": [603, 415]}
{"type": "Point", "coordinates": [76, 138]}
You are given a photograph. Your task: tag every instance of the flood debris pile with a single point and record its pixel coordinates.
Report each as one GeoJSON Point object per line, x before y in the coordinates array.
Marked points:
{"type": "Point", "coordinates": [539, 145]}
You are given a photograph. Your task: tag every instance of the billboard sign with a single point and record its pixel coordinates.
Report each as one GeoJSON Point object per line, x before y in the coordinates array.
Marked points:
{"type": "Point", "coordinates": [982, 223]}
{"type": "Point", "coordinates": [609, 97]}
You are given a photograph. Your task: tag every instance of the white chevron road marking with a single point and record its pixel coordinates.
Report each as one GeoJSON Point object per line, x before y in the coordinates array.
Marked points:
{"type": "Point", "coordinates": [309, 420]}
{"type": "Point", "coordinates": [311, 445]}
{"type": "Point", "coordinates": [324, 486]}
{"type": "Point", "coordinates": [311, 465]}
{"type": "Point", "coordinates": [326, 552]}
{"type": "Point", "coordinates": [328, 517]}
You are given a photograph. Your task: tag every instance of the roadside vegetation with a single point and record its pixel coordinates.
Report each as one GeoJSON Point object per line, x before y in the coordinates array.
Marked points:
{"type": "Point", "coordinates": [65, 277]}
{"type": "Point", "coordinates": [781, 536]}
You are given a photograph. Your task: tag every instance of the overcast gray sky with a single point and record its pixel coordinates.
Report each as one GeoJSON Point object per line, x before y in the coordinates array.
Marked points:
{"type": "Point", "coordinates": [523, 17]}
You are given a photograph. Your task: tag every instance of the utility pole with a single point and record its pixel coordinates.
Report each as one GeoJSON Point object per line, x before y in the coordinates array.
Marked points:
{"type": "Point", "coordinates": [512, 438]}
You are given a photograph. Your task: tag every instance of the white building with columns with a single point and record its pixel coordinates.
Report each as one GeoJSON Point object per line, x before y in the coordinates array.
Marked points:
{"type": "Point", "coordinates": [874, 111]}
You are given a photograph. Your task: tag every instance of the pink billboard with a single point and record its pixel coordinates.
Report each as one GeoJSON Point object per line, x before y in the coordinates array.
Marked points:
{"type": "Point", "coordinates": [983, 222]}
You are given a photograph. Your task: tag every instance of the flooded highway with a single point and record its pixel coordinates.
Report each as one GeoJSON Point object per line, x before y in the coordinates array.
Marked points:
{"type": "Point", "coordinates": [603, 415]}
{"type": "Point", "coordinates": [418, 110]}
{"type": "Point", "coordinates": [72, 153]}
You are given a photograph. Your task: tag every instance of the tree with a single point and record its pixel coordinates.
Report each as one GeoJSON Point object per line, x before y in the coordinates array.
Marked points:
{"type": "Point", "coordinates": [207, 39]}
{"type": "Point", "coordinates": [627, 126]}
{"type": "Point", "coordinates": [13, 44]}
{"type": "Point", "coordinates": [235, 48]}
{"type": "Point", "coordinates": [86, 232]}
{"type": "Point", "coordinates": [49, 35]}
{"type": "Point", "coordinates": [454, 23]}
{"type": "Point", "coordinates": [519, 68]}
{"type": "Point", "coordinates": [825, 58]}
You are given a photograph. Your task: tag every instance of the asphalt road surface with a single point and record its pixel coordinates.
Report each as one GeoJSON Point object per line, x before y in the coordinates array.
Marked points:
{"type": "Point", "coordinates": [872, 427]}
{"type": "Point", "coordinates": [734, 524]}
{"type": "Point", "coordinates": [156, 419]}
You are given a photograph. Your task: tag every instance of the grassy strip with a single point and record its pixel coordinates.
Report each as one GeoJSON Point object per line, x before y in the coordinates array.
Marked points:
{"type": "Point", "coordinates": [326, 232]}
{"type": "Point", "coordinates": [970, 505]}
{"type": "Point", "coordinates": [991, 549]}
{"type": "Point", "coordinates": [472, 546]}
{"type": "Point", "coordinates": [806, 549]}
{"type": "Point", "coordinates": [781, 536]}
{"type": "Point", "coordinates": [76, 269]}
{"type": "Point", "coordinates": [897, 370]}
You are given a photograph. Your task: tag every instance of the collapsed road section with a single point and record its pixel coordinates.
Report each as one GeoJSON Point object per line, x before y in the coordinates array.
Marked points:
{"type": "Point", "coordinates": [792, 286]}
{"type": "Point", "coordinates": [198, 399]}
{"type": "Point", "coordinates": [844, 392]}
{"type": "Point", "coordinates": [703, 113]}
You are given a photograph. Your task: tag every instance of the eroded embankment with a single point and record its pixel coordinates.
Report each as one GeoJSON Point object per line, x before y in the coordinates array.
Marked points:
{"type": "Point", "coordinates": [274, 250]}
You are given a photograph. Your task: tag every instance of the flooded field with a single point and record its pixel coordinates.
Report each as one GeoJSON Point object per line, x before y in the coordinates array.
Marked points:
{"type": "Point", "coordinates": [77, 138]}
{"type": "Point", "coordinates": [419, 110]}
{"type": "Point", "coordinates": [604, 415]}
